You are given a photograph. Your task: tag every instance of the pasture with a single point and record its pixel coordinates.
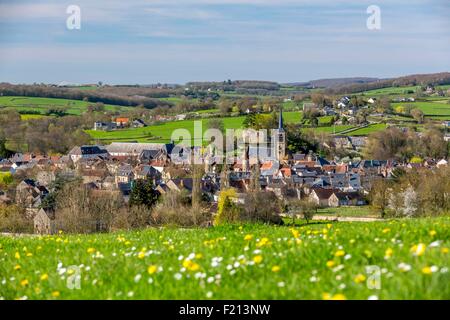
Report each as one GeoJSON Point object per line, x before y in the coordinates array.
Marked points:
{"type": "Point", "coordinates": [33, 104]}
{"type": "Point", "coordinates": [393, 259]}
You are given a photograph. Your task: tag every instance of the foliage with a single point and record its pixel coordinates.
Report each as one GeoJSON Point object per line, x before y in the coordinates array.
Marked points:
{"type": "Point", "coordinates": [227, 210]}
{"type": "Point", "coordinates": [143, 193]}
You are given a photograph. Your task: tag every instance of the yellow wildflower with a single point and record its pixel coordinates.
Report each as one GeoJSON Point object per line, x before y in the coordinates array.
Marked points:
{"type": "Point", "coordinates": [152, 269]}
{"type": "Point", "coordinates": [90, 250]}
{"type": "Point", "coordinates": [17, 255]}
{"type": "Point", "coordinates": [276, 269]}
{"type": "Point", "coordinates": [444, 250]}
{"type": "Point", "coordinates": [44, 277]}
{"type": "Point", "coordinates": [257, 259]}
{"type": "Point", "coordinates": [360, 278]}
{"type": "Point", "coordinates": [338, 296]}
{"type": "Point", "coordinates": [24, 282]}
{"type": "Point", "coordinates": [141, 255]}
{"type": "Point", "coordinates": [198, 256]}
{"type": "Point", "coordinates": [248, 237]}
{"type": "Point", "coordinates": [330, 263]}
{"type": "Point", "coordinates": [388, 253]}
{"type": "Point", "coordinates": [55, 294]}
{"type": "Point", "coordinates": [190, 265]}
{"type": "Point", "coordinates": [295, 233]}
{"type": "Point", "coordinates": [339, 253]}
{"type": "Point", "coordinates": [17, 267]}
{"type": "Point", "coordinates": [427, 270]}
{"type": "Point", "coordinates": [263, 242]}
{"type": "Point", "coordinates": [386, 230]}
{"type": "Point", "coordinates": [432, 233]}
{"type": "Point", "coordinates": [418, 249]}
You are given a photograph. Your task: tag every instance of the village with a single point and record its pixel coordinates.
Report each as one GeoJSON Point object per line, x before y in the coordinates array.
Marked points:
{"type": "Point", "coordinates": [114, 168]}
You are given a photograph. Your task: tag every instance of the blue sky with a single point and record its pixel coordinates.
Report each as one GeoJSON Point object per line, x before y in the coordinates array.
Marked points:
{"type": "Point", "coordinates": [175, 41]}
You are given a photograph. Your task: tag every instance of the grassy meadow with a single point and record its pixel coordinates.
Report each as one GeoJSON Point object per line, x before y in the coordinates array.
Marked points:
{"type": "Point", "coordinates": [163, 132]}
{"type": "Point", "coordinates": [33, 104]}
{"type": "Point", "coordinates": [435, 109]}
{"type": "Point", "coordinates": [314, 261]}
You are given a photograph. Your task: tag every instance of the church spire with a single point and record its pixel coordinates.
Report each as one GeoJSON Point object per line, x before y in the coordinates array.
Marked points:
{"type": "Point", "coordinates": [280, 120]}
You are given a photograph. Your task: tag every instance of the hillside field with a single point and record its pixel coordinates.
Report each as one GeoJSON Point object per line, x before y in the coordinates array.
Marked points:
{"type": "Point", "coordinates": [407, 259]}
{"type": "Point", "coordinates": [435, 109]}
{"type": "Point", "coordinates": [26, 104]}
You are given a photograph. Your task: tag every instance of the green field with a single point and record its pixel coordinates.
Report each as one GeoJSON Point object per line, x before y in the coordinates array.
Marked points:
{"type": "Point", "coordinates": [436, 110]}
{"type": "Point", "coordinates": [390, 91]}
{"type": "Point", "coordinates": [315, 261]}
{"type": "Point", "coordinates": [362, 211]}
{"type": "Point", "coordinates": [163, 132]}
{"type": "Point", "coordinates": [27, 104]}
{"type": "Point", "coordinates": [368, 130]}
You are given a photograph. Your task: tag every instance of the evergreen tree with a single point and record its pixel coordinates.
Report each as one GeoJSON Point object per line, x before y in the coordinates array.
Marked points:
{"type": "Point", "coordinates": [143, 193]}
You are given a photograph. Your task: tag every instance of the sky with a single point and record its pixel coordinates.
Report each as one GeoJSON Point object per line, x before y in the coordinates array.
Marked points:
{"type": "Point", "coordinates": [176, 41]}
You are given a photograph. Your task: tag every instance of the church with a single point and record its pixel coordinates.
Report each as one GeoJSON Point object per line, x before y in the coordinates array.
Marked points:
{"type": "Point", "coordinates": [263, 147]}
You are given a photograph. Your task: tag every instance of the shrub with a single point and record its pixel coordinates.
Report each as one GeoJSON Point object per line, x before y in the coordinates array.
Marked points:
{"type": "Point", "coordinates": [262, 206]}
{"type": "Point", "coordinates": [227, 210]}
{"type": "Point", "coordinates": [174, 208]}
{"type": "Point", "coordinates": [14, 220]}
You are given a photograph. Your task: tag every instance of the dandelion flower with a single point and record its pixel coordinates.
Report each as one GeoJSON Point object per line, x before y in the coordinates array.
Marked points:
{"type": "Point", "coordinates": [418, 250]}
{"type": "Point", "coordinates": [263, 242]}
{"type": "Point", "coordinates": [339, 296]}
{"type": "Point", "coordinates": [444, 250]}
{"type": "Point", "coordinates": [359, 278]}
{"type": "Point", "coordinates": [388, 253]}
{"type": "Point", "coordinates": [17, 255]}
{"type": "Point", "coordinates": [427, 270]}
{"type": "Point", "coordinates": [56, 294]}
{"type": "Point", "coordinates": [257, 259]}
{"type": "Point", "coordinates": [276, 268]}
{"type": "Point", "coordinates": [152, 269]}
{"type": "Point", "coordinates": [295, 233]}
{"type": "Point", "coordinates": [248, 237]}
{"type": "Point", "coordinates": [141, 255]}
{"type": "Point", "coordinates": [44, 277]}
{"type": "Point", "coordinates": [190, 265]}
{"type": "Point", "coordinates": [432, 233]}
{"type": "Point", "coordinates": [330, 263]}
{"type": "Point", "coordinates": [17, 267]}
{"type": "Point", "coordinates": [24, 282]}
{"type": "Point", "coordinates": [339, 253]}
{"type": "Point", "coordinates": [90, 250]}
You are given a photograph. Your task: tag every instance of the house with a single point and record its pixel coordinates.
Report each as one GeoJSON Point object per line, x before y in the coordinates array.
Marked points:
{"type": "Point", "coordinates": [138, 123]}
{"type": "Point", "coordinates": [122, 122]}
{"type": "Point", "coordinates": [30, 194]}
{"type": "Point", "coordinates": [135, 149]}
{"type": "Point", "coordinates": [87, 152]}
{"type": "Point", "coordinates": [124, 174]}
{"type": "Point", "coordinates": [324, 197]}
{"type": "Point", "coordinates": [145, 172]}
{"type": "Point", "coordinates": [105, 126]}
{"type": "Point", "coordinates": [44, 222]}
{"type": "Point", "coordinates": [349, 199]}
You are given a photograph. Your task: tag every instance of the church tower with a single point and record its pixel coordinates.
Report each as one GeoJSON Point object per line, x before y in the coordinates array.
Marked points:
{"type": "Point", "coordinates": [281, 138]}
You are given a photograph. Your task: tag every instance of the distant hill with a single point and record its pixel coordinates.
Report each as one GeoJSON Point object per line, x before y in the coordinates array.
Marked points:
{"type": "Point", "coordinates": [330, 83]}
{"type": "Point", "coordinates": [434, 79]}
{"type": "Point", "coordinates": [360, 84]}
